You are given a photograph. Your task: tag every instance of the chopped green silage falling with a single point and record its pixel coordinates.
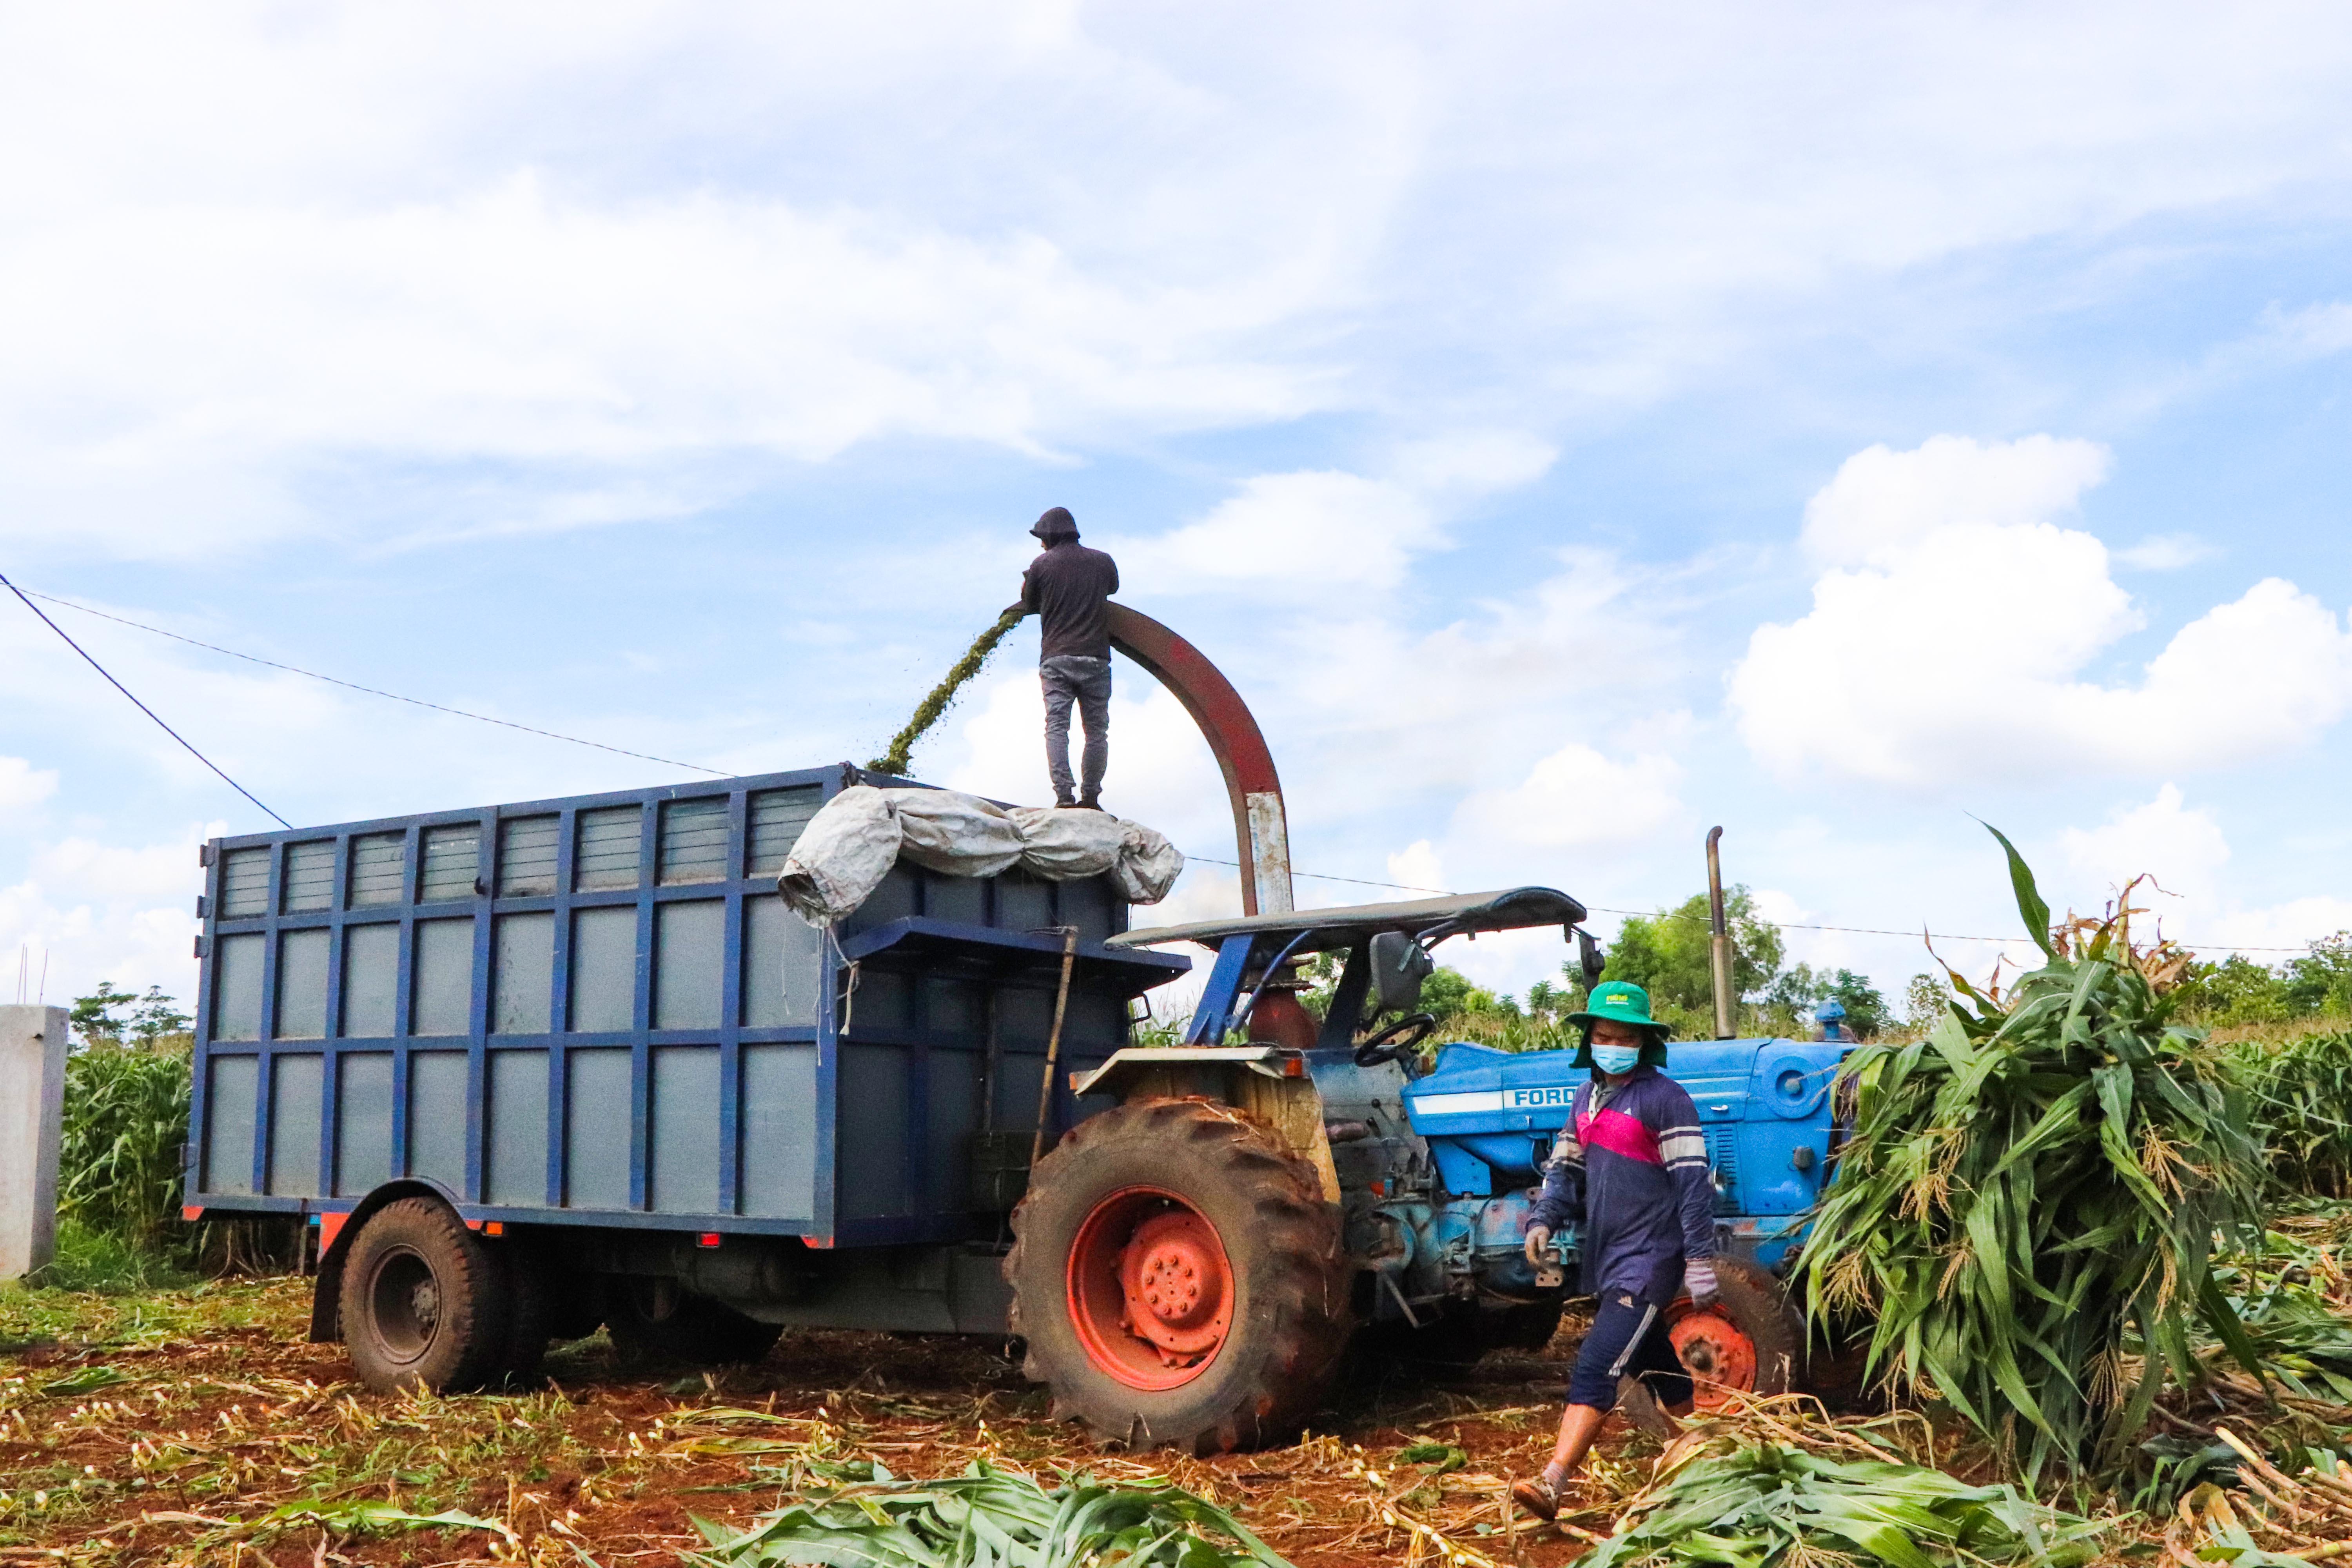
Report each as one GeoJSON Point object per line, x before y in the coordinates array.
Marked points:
{"type": "Point", "coordinates": [895, 761]}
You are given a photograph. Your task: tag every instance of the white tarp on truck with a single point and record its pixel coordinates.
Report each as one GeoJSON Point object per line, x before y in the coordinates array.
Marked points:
{"type": "Point", "coordinates": [851, 844]}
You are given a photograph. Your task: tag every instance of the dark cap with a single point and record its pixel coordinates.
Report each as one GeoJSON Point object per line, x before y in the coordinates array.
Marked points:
{"type": "Point", "coordinates": [1055, 523]}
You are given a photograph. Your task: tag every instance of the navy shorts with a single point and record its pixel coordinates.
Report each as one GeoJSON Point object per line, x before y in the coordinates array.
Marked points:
{"type": "Point", "coordinates": [1628, 1338]}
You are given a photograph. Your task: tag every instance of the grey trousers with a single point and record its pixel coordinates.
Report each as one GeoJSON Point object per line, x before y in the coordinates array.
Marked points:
{"type": "Point", "coordinates": [1073, 678]}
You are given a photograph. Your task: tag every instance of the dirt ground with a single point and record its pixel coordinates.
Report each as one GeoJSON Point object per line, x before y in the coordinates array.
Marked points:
{"type": "Point", "coordinates": [197, 1426]}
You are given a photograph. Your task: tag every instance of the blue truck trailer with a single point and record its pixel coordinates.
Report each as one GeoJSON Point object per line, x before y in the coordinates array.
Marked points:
{"type": "Point", "coordinates": [536, 1068]}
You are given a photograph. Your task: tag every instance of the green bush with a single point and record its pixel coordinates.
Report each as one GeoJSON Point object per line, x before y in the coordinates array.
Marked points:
{"type": "Point", "coordinates": [103, 1262]}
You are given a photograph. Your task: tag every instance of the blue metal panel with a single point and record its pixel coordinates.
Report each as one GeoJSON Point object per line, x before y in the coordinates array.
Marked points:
{"type": "Point", "coordinates": [780, 966]}
{"type": "Point", "coordinates": [302, 983]}
{"type": "Point", "coordinates": [233, 1096]}
{"type": "Point", "coordinates": [370, 981]}
{"type": "Point", "coordinates": [875, 1135]}
{"type": "Point", "coordinates": [609, 852]}
{"type": "Point", "coordinates": [452, 859]}
{"type": "Point", "coordinates": [528, 852]}
{"type": "Point", "coordinates": [779, 1136]}
{"type": "Point", "coordinates": [297, 1100]}
{"type": "Point", "coordinates": [522, 974]}
{"type": "Point", "coordinates": [597, 1129]}
{"type": "Point", "coordinates": [603, 968]}
{"type": "Point", "coordinates": [236, 986]}
{"type": "Point", "coordinates": [436, 1116]}
{"type": "Point", "coordinates": [693, 841]}
{"type": "Point", "coordinates": [244, 883]}
{"type": "Point", "coordinates": [379, 868]}
{"type": "Point", "coordinates": [514, 1168]}
{"type": "Point", "coordinates": [686, 1143]}
{"type": "Point", "coordinates": [309, 877]}
{"type": "Point", "coordinates": [689, 963]}
{"type": "Point", "coordinates": [443, 986]}
{"type": "Point", "coordinates": [363, 1112]}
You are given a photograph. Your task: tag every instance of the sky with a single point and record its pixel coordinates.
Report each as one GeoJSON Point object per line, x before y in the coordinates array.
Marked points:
{"type": "Point", "coordinates": [1572, 427]}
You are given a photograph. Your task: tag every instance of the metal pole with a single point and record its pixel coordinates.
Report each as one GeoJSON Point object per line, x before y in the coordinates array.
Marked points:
{"type": "Point", "coordinates": [1053, 1045]}
{"type": "Point", "coordinates": [1719, 939]}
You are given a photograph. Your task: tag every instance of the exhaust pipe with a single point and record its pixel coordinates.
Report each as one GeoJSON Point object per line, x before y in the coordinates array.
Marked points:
{"type": "Point", "coordinates": [1719, 941]}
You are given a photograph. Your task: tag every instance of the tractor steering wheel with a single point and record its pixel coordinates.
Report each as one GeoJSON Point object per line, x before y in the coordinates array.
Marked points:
{"type": "Point", "coordinates": [1385, 1046]}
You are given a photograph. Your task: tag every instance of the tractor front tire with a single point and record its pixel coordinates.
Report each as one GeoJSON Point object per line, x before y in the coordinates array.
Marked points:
{"type": "Point", "coordinates": [1753, 1341]}
{"type": "Point", "coordinates": [1179, 1279]}
{"type": "Point", "coordinates": [425, 1303]}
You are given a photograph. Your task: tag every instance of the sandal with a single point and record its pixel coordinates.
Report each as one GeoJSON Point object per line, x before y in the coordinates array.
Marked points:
{"type": "Point", "coordinates": [1537, 1496]}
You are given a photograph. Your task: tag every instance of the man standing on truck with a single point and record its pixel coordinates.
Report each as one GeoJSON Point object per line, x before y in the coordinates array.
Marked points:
{"type": "Point", "coordinates": [1631, 1163]}
{"type": "Point", "coordinates": [1066, 587]}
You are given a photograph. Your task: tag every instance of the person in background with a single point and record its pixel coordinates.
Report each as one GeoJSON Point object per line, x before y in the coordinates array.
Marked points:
{"type": "Point", "coordinates": [1068, 586]}
{"type": "Point", "coordinates": [1632, 1164]}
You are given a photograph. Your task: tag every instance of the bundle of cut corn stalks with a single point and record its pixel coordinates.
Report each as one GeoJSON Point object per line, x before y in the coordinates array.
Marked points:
{"type": "Point", "coordinates": [2278, 1519]}
{"type": "Point", "coordinates": [2043, 1170]}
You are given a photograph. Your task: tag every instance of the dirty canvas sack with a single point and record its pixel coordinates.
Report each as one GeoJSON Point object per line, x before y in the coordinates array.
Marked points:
{"type": "Point", "coordinates": [960, 834]}
{"type": "Point", "coordinates": [1065, 846]}
{"type": "Point", "coordinates": [1147, 864]}
{"type": "Point", "coordinates": [842, 856]}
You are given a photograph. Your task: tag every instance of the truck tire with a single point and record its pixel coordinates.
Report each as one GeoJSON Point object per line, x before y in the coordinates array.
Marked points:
{"type": "Point", "coordinates": [1178, 1278]}
{"type": "Point", "coordinates": [658, 1320]}
{"type": "Point", "coordinates": [425, 1303]}
{"type": "Point", "coordinates": [1752, 1341]}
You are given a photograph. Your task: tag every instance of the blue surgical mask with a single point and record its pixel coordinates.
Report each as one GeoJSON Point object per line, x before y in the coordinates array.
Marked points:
{"type": "Point", "coordinates": [1616, 1059]}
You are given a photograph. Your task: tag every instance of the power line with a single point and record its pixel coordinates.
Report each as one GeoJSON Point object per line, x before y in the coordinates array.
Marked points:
{"type": "Point", "coordinates": [348, 686]}
{"type": "Point", "coordinates": [1784, 925]}
{"type": "Point", "coordinates": [31, 595]}
{"type": "Point", "coordinates": [141, 706]}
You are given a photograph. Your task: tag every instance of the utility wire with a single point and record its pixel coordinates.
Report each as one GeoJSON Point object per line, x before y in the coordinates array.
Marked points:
{"type": "Point", "coordinates": [1784, 925]}
{"type": "Point", "coordinates": [347, 685]}
{"type": "Point", "coordinates": [31, 595]}
{"type": "Point", "coordinates": [141, 705]}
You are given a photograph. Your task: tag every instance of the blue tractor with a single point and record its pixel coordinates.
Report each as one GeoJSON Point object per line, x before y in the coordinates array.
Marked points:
{"type": "Point", "coordinates": [1192, 1265]}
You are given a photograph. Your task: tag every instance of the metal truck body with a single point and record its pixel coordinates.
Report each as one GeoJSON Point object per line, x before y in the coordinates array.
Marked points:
{"type": "Point", "coordinates": [594, 1019]}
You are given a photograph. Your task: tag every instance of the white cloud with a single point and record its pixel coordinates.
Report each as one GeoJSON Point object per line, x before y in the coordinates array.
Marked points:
{"type": "Point", "coordinates": [21, 786]}
{"type": "Point", "coordinates": [91, 911]}
{"type": "Point", "coordinates": [1959, 653]}
{"type": "Point", "coordinates": [1882, 502]}
{"type": "Point", "coordinates": [2166, 552]}
{"type": "Point", "coordinates": [2181, 846]}
{"type": "Point", "coordinates": [1577, 798]}
{"type": "Point", "coordinates": [1280, 531]}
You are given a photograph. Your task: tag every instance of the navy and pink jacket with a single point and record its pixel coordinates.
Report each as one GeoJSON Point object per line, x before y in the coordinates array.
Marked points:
{"type": "Point", "coordinates": [1632, 1164]}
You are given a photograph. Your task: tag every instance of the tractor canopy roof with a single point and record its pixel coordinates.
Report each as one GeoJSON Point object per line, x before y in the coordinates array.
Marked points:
{"type": "Point", "coordinates": [1352, 925]}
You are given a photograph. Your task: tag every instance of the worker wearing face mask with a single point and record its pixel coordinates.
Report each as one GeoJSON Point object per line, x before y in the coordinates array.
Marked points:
{"type": "Point", "coordinates": [1632, 1164]}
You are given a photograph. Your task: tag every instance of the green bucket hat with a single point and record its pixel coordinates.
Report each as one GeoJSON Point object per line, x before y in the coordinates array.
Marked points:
{"type": "Point", "coordinates": [1621, 1002]}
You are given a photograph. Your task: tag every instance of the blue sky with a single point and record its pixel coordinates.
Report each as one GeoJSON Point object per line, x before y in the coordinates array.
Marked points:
{"type": "Point", "coordinates": [1569, 428]}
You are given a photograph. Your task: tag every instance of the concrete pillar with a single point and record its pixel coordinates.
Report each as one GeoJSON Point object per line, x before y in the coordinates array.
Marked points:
{"type": "Point", "coordinates": [32, 1110]}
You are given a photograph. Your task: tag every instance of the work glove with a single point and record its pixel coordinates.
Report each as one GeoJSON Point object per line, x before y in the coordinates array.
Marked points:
{"type": "Point", "coordinates": [1539, 1242]}
{"type": "Point", "coordinates": [1698, 1278]}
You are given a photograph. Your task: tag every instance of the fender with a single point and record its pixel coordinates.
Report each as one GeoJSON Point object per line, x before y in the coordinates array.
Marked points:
{"type": "Point", "coordinates": [337, 1231]}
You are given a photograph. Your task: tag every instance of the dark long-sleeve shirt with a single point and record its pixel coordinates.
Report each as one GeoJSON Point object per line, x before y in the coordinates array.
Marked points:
{"type": "Point", "coordinates": [1631, 1163]}
{"type": "Point", "coordinates": [1066, 587]}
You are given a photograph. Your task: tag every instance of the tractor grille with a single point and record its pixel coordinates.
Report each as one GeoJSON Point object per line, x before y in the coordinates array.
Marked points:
{"type": "Point", "coordinates": [1726, 1165]}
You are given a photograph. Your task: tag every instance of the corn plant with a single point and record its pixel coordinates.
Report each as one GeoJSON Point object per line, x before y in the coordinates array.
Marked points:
{"type": "Point", "coordinates": [126, 1115]}
{"type": "Point", "coordinates": [1766, 1505]}
{"type": "Point", "coordinates": [2302, 1091]}
{"type": "Point", "coordinates": [989, 1517]}
{"type": "Point", "coordinates": [2042, 1171]}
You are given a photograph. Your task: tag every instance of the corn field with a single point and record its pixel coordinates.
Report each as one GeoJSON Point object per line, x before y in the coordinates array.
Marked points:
{"type": "Point", "coordinates": [126, 1116]}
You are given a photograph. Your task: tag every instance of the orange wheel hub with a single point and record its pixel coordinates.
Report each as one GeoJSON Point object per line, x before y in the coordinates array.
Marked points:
{"type": "Point", "coordinates": [1716, 1351]}
{"type": "Point", "coordinates": [1150, 1293]}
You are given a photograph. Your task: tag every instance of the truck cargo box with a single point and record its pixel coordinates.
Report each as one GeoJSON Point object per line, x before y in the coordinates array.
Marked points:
{"type": "Point", "coordinates": [596, 1011]}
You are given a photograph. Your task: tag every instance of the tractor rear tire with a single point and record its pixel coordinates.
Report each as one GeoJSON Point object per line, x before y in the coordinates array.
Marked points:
{"type": "Point", "coordinates": [1178, 1278]}
{"type": "Point", "coordinates": [658, 1320]}
{"type": "Point", "coordinates": [425, 1303]}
